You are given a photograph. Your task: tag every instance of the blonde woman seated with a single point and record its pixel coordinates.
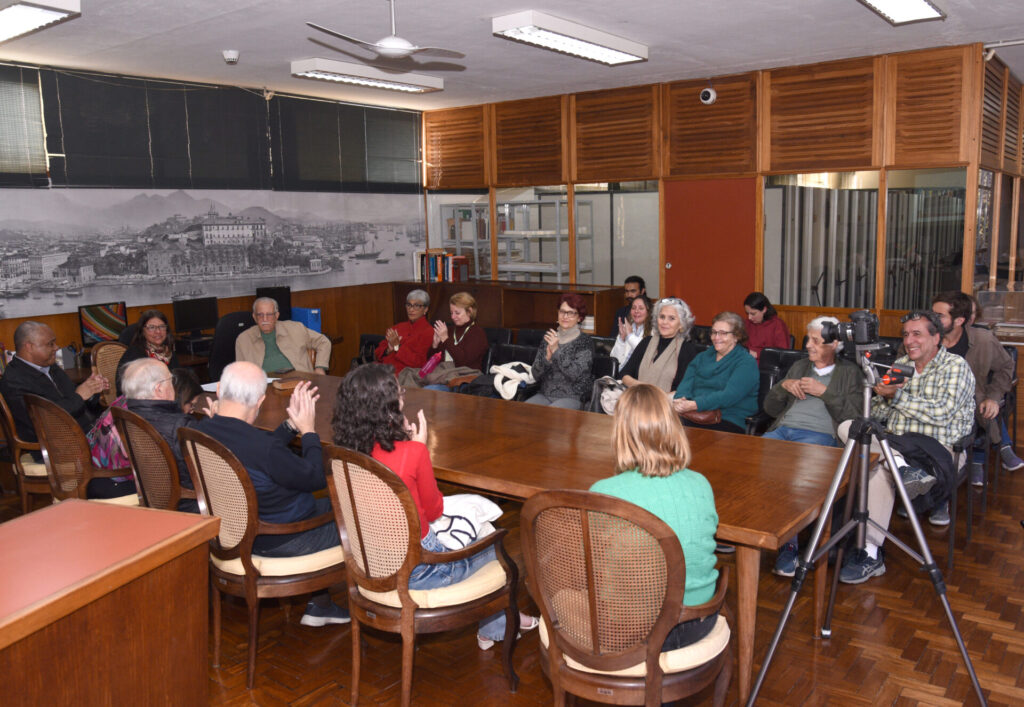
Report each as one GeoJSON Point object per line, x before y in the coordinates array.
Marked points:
{"type": "Point", "coordinates": [651, 454]}
{"type": "Point", "coordinates": [633, 331]}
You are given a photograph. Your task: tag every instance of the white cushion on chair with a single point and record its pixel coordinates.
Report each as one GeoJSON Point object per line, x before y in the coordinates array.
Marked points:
{"type": "Point", "coordinates": [489, 578]}
{"type": "Point", "coordinates": [130, 499]}
{"type": "Point", "coordinates": [31, 466]}
{"type": "Point", "coordinates": [283, 566]}
{"type": "Point", "coordinates": [675, 661]}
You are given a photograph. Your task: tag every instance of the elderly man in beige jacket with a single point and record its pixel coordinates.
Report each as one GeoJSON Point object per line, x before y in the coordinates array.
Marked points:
{"type": "Point", "coordinates": [281, 346]}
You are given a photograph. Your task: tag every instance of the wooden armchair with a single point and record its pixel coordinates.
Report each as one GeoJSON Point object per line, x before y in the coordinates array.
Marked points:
{"type": "Point", "coordinates": [608, 577]}
{"type": "Point", "coordinates": [106, 357]}
{"type": "Point", "coordinates": [381, 536]}
{"type": "Point", "coordinates": [29, 475]}
{"type": "Point", "coordinates": [223, 489]}
{"type": "Point", "coordinates": [69, 466]}
{"type": "Point", "coordinates": [156, 469]}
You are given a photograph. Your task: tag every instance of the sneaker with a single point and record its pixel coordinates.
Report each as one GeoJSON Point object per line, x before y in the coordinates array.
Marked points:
{"type": "Point", "coordinates": [785, 563]}
{"type": "Point", "coordinates": [916, 481]}
{"type": "Point", "coordinates": [860, 567]}
{"type": "Point", "coordinates": [978, 475]}
{"type": "Point", "coordinates": [724, 549]}
{"type": "Point", "coordinates": [526, 623]}
{"type": "Point", "coordinates": [1011, 462]}
{"type": "Point", "coordinates": [939, 516]}
{"type": "Point", "coordinates": [323, 615]}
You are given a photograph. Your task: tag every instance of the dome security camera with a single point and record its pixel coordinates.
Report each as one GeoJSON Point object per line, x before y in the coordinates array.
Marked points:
{"type": "Point", "coordinates": [230, 56]}
{"type": "Point", "coordinates": [708, 96]}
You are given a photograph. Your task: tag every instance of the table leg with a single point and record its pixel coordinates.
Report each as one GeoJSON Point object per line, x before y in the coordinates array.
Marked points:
{"type": "Point", "coordinates": [748, 566]}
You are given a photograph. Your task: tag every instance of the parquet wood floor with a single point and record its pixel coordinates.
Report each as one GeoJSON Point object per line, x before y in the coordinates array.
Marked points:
{"type": "Point", "coordinates": [890, 644]}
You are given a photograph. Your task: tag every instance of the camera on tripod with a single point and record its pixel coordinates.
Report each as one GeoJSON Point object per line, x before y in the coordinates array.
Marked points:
{"type": "Point", "coordinates": [861, 330]}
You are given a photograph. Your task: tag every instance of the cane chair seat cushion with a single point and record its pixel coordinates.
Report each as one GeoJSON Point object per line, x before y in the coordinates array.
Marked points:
{"type": "Point", "coordinates": [129, 499]}
{"type": "Point", "coordinates": [284, 566]}
{"type": "Point", "coordinates": [32, 467]}
{"type": "Point", "coordinates": [487, 579]}
{"type": "Point", "coordinates": [685, 658]}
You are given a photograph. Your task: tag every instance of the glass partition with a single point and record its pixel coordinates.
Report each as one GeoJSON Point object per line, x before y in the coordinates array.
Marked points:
{"type": "Point", "coordinates": [924, 235]}
{"type": "Point", "coordinates": [532, 226]}
{"type": "Point", "coordinates": [1006, 228]}
{"type": "Point", "coordinates": [617, 233]}
{"type": "Point", "coordinates": [983, 230]}
{"type": "Point", "coordinates": [460, 224]}
{"type": "Point", "coordinates": [820, 232]}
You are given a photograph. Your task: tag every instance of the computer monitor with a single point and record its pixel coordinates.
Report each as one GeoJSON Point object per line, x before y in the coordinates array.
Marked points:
{"type": "Point", "coordinates": [193, 316]}
{"type": "Point", "coordinates": [282, 295]}
{"type": "Point", "coordinates": [102, 322]}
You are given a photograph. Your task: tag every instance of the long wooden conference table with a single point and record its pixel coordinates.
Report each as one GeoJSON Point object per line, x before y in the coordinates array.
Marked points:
{"type": "Point", "coordinates": [765, 490]}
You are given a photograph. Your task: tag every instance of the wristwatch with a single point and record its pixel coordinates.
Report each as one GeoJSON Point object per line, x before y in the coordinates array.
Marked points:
{"type": "Point", "coordinates": [290, 426]}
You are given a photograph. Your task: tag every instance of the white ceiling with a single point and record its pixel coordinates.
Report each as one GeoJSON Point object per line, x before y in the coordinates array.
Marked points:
{"type": "Point", "coordinates": [183, 39]}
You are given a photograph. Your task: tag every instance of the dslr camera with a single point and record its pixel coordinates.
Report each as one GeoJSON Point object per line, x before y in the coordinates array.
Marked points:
{"type": "Point", "coordinates": [861, 330]}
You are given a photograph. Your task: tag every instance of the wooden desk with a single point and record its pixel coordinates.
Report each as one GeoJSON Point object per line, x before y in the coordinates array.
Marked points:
{"type": "Point", "coordinates": [765, 490]}
{"type": "Point", "coordinates": [104, 604]}
{"type": "Point", "coordinates": [77, 375]}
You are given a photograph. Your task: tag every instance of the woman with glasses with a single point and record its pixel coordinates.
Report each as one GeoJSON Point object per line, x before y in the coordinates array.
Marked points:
{"type": "Point", "coordinates": [723, 378]}
{"type": "Point", "coordinates": [406, 344]}
{"type": "Point", "coordinates": [368, 418]}
{"type": "Point", "coordinates": [632, 331]}
{"type": "Point", "coordinates": [152, 339]}
{"type": "Point", "coordinates": [564, 361]}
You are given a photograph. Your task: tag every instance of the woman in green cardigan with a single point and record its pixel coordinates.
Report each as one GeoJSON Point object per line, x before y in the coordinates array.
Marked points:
{"type": "Point", "coordinates": [651, 454]}
{"type": "Point", "coordinates": [723, 377]}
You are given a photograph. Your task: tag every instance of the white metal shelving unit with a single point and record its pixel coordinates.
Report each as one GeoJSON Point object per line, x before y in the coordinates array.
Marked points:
{"type": "Point", "coordinates": [533, 239]}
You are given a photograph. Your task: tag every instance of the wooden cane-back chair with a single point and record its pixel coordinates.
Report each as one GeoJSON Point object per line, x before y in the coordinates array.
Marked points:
{"type": "Point", "coordinates": [69, 466]}
{"type": "Point", "coordinates": [106, 357]}
{"type": "Point", "coordinates": [29, 475]}
{"type": "Point", "coordinates": [608, 577]}
{"type": "Point", "coordinates": [156, 469]}
{"type": "Point", "coordinates": [381, 537]}
{"type": "Point", "coordinates": [224, 489]}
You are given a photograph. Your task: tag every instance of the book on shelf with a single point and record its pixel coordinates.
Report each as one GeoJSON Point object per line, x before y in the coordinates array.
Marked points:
{"type": "Point", "coordinates": [437, 265]}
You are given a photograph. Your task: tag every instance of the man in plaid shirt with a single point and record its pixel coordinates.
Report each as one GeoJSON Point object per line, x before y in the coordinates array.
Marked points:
{"type": "Point", "coordinates": [938, 401]}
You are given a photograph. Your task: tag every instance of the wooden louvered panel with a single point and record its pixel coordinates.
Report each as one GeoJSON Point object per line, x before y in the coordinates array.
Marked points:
{"type": "Point", "coordinates": [717, 139]}
{"type": "Point", "coordinates": [615, 134]}
{"type": "Point", "coordinates": [453, 144]}
{"type": "Point", "coordinates": [821, 116]}
{"type": "Point", "coordinates": [928, 107]}
{"type": "Point", "coordinates": [528, 139]}
{"type": "Point", "coordinates": [991, 114]}
{"type": "Point", "coordinates": [1011, 130]}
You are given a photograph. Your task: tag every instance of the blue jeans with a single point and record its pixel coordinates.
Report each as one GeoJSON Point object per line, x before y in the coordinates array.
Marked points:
{"type": "Point", "coordinates": [305, 543]}
{"type": "Point", "coordinates": [445, 574]}
{"type": "Point", "coordinates": [792, 434]}
{"type": "Point", "coordinates": [437, 386]}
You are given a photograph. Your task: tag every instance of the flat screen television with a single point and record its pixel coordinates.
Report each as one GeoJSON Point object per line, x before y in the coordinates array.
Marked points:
{"type": "Point", "coordinates": [282, 295]}
{"type": "Point", "coordinates": [193, 316]}
{"type": "Point", "coordinates": [102, 322]}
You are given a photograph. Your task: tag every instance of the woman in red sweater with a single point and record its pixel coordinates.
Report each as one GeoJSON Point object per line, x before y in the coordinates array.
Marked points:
{"type": "Point", "coordinates": [764, 328]}
{"type": "Point", "coordinates": [368, 418]}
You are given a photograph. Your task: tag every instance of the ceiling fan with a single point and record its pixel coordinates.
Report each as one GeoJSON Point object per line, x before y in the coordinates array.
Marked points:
{"type": "Point", "coordinates": [392, 46]}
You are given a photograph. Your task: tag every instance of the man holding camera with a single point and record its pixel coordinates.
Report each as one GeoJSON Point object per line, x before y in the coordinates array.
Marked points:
{"type": "Point", "coordinates": [937, 402]}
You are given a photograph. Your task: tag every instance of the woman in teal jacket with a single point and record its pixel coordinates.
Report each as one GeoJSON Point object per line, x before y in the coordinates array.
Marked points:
{"type": "Point", "coordinates": [723, 377]}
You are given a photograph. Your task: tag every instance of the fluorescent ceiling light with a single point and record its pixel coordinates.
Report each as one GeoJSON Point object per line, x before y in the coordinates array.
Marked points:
{"type": "Point", "coordinates": [20, 18]}
{"type": "Point", "coordinates": [361, 75]}
{"type": "Point", "coordinates": [902, 12]}
{"type": "Point", "coordinates": [560, 35]}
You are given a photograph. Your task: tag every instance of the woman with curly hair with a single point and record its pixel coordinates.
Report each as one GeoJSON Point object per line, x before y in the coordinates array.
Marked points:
{"type": "Point", "coordinates": [368, 418]}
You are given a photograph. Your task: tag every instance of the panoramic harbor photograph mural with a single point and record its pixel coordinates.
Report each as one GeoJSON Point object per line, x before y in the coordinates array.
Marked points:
{"type": "Point", "coordinates": [61, 248]}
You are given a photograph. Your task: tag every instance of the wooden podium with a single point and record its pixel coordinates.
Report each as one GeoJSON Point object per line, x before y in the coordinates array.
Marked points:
{"type": "Point", "coordinates": [104, 604]}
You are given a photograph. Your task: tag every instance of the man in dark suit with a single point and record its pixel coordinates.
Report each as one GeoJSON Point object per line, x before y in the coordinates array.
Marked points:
{"type": "Point", "coordinates": [34, 370]}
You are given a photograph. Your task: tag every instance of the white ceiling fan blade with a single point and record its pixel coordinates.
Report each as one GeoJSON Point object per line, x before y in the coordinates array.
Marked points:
{"type": "Point", "coordinates": [369, 45]}
{"type": "Point", "coordinates": [438, 51]}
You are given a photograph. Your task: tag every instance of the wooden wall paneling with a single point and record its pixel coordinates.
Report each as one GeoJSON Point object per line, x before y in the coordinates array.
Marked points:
{"type": "Point", "coordinates": [822, 116]}
{"type": "Point", "coordinates": [992, 114]}
{"type": "Point", "coordinates": [1014, 228]}
{"type": "Point", "coordinates": [617, 134]}
{"type": "Point", "coordinates": [970, 228]}
{"type": "Point", "coordinates": [1011, 126]}
{"type": "Point", "coordinates": [764, 111]}
{"type": "Point", "coordinates": [455, 148]}
{"type": "Point", "coordinates": [720, 138]}
{"type": "Point", "coordinates": [529, 142]}
{"type": "Point", "coordinates": [927, 106]}
{"type": "Point", "coordinates": [970, 119]}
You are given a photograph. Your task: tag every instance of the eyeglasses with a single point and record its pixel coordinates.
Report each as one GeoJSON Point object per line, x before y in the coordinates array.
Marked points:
{"type": "Point", "coordinates": [414, 304]}
{"type": "Point", "coordinates": [568, 313]}
{"type": "Point", "coordinates": [913, 317]}
{"type": "Point", "coordinates": [671, 300]}
{"type": "Point", "coordinates": [155, 327]}
{"type": "Point", "coordinates": [720, 332]}
{"type": "Point", "coordinates": [265, 315]}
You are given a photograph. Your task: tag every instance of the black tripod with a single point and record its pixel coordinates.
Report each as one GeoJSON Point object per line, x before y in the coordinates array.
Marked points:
{"type": "Point", "coordinates": [861, 433]}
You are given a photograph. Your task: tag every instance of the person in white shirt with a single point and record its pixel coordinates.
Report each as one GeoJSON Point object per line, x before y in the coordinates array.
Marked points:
{"type": "Point", "coordinates": [633, 330]}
